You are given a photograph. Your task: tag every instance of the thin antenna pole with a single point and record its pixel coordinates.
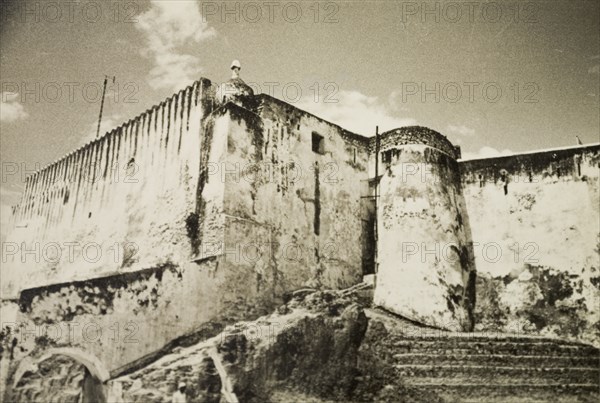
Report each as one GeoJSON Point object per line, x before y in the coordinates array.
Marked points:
{"type": "Point", "coordinates": [375, 236]}
{"type": "Point", "coordinates": [377, 144]}
{"type": "Point", "coordinates": [102, 105]}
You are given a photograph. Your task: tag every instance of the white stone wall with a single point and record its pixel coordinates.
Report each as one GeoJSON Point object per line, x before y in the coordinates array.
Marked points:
{"type": "Point", "coordinates": [423, 257]}
{"type": "Point", "coordinates": [536, 247]}
{"type": "Point", "coordinates": [118, 204]}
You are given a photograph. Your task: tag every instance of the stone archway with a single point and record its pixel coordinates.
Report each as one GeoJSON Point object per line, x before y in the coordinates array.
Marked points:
{"type": "Point", "coordinates": [60, 375]}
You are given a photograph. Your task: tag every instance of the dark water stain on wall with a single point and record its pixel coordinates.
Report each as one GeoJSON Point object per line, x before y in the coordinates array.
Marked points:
{"type": "Point", "coordinates": [94, 296]}
{"type": "Point", "coordinates": [553, 301]}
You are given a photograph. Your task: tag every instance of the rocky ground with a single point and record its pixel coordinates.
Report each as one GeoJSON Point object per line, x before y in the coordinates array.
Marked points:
{"type": "Point", "coordinates": [332, 346]}
{"type": "Point", "coordinates": [308, 349]}
{"type": "Point", "coordinates": [325, 346]}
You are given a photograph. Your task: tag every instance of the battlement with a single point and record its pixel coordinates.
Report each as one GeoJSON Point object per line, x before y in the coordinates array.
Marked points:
{"type": "Point", "coordinates": [97, 161]}
{"type": "Point", "coordinates": [91, 194]}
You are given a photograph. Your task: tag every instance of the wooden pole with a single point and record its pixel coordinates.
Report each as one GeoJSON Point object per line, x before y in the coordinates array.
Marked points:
{"type": "Point", "coordinates": [375, 236]}
{"type": "Point", "coordinates": [102, 104]}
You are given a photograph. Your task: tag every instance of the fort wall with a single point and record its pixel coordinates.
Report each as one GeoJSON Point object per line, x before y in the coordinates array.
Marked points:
{"type": "Point", "coordinates": [293, 206]}
{"type": "Point", "coordinates": [197, 266]}
{"type": "Point", "coordinates": [118, 204]}
{"type": "Point", "coordinates": [126, 310]}
{"type": "Point", "coordinates": [534, 218]}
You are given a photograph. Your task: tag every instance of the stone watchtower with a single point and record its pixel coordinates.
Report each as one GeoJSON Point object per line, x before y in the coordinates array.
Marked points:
{"type": "Point", "coordinates": [425, 268]}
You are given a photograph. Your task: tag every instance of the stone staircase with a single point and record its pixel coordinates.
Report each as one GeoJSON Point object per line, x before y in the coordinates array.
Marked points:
{"type": "Point", "coordinates": [472, 367]}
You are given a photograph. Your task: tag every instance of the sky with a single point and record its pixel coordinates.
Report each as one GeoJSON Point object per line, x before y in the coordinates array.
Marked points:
{"type": "Point", "coordinates": [495, 77]}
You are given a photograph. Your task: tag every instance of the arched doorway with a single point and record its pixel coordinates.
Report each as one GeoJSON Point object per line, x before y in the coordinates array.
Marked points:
{"type": "Point", "coordinates": [60, 375]}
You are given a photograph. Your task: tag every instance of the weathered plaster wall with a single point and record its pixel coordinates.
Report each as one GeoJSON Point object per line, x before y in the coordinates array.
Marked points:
{"type": "Point", "coordinates": [201, 269]}
{"type": "Point", "coordinates": [122, 308]}
{"type": "Point", "coordinates": [536, 246]}
{"type": "Point", "coordinates": [121, 315]}
{"type": "Point", "coordinates": [120, 203]}
{"type": "Point", "coordinates": [125, 320]}
{"type": "Point", "coordinates": [294, 215]}
{"type": "Point", "coordinates": [425, 266]}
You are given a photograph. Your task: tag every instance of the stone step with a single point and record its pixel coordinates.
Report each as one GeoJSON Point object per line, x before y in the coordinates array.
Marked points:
{"type": "Point", "coordinates": [514, 392]}
{"type": "Point", "coordinates": [454, 358]}
{"type": "Point", "coordinates": [427, 334]}
{"type": "Point", "coordinates": [446, 346]}
{"type": "Point", "coordinates": [498, 375]}
{"type": "Point", "coordinates": [486, 367]}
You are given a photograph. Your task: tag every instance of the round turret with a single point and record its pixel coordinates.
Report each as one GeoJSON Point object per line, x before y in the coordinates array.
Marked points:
{"type": "Point", "coordinates": [424, 258]}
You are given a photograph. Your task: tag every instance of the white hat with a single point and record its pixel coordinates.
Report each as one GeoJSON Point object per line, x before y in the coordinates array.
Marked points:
{"type": "Point", "coordinates": [181, 385]}
{"type": "Point", "coordinates": [236, 63]}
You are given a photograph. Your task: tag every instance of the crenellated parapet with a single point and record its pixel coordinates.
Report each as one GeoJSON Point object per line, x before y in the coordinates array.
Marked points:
{"type": "Point", "coordinates": [105, 196]}
{"type": "Point", "coordinates": [110, 158]}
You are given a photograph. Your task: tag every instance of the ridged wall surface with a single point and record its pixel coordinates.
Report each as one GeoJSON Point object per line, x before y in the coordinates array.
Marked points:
{"type": "Point", "coordinates": [118, 197]}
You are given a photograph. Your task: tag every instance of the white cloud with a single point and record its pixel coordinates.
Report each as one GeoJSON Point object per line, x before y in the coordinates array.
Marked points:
{"type": "Point", "coordinates": [174, 71]}
{"type": "Point", "coordinates": [167, 26]}
{"type": "Point", "coordinates": [594, 69]}
{"type": "Point", "coordinates": [461, 130]}
{"type": "Point", "coordinates": [10, 108]}
{"type": "Point", "coordinates": [486, 152]}
{"type": "Point", "coordinates": [356, 112]}
{"type": "Point", "coordinates": [395, 101]}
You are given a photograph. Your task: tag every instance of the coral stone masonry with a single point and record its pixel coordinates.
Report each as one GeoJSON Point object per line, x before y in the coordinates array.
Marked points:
{"type": "Point", "coordinates": [217, 204]}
